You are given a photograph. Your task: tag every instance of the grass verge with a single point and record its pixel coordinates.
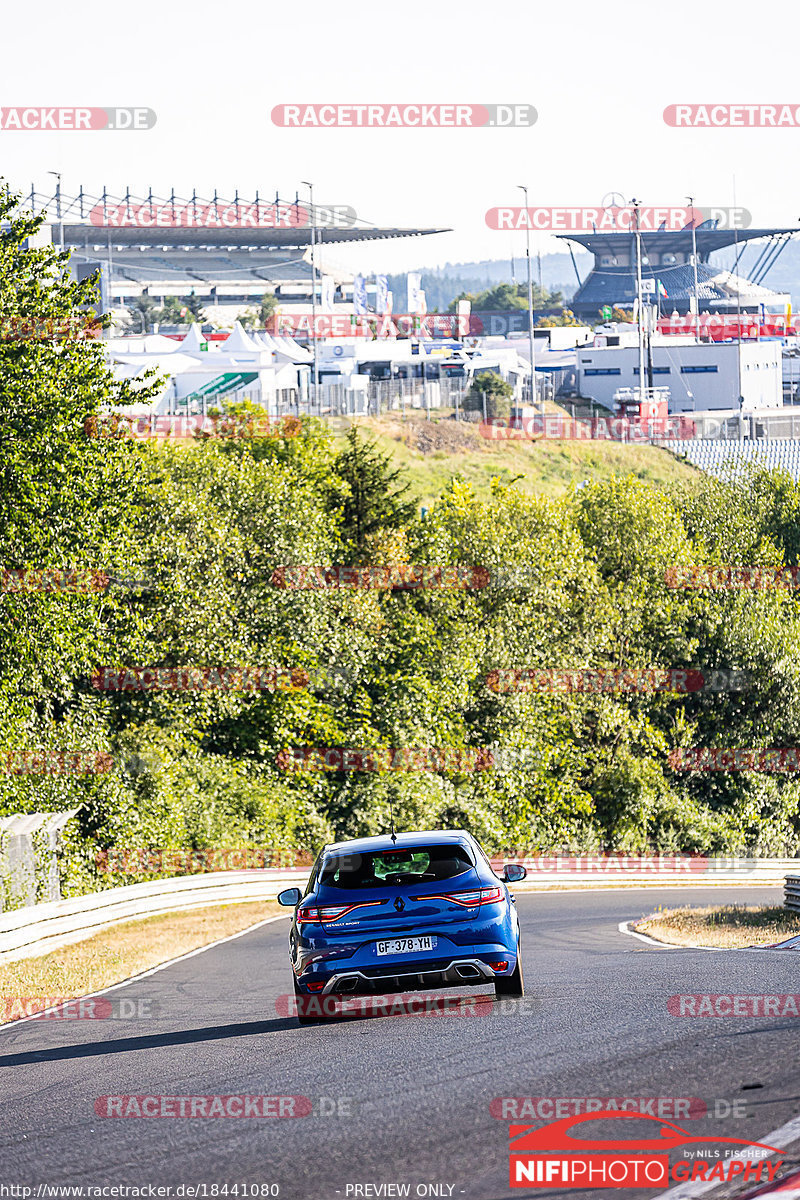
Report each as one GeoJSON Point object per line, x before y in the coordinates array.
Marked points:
{"type": "Point", "coordinates": [729, 927]}
{"type": "Point", "coordinates": [124, 950]}
{"type": "Point", "coordinates": [432, 452]}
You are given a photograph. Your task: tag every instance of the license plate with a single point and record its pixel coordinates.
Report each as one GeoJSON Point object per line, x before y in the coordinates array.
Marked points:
{"type": "Point", "coordinates": [408, 945]}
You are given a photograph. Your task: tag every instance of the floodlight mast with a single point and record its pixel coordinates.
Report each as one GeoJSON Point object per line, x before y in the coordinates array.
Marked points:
{"type": "Point", "coordinates": [694, 263]}
{"type": "Point", "coordinates": [310, 187]}
{"type": "Point", "coordinates": [524, 189]}
{"type": "Point", "coordinates": [638, 231]}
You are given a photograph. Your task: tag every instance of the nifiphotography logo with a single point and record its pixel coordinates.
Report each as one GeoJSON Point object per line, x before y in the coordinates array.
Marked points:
{"type": "Point", "coordinates": [550, 1156]}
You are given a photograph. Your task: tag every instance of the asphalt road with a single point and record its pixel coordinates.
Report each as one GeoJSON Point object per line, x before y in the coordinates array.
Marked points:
{"type": "Point", "coordinates": [418, 1089]}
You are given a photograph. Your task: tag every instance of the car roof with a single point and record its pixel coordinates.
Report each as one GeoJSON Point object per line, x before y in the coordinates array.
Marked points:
{"type": "Point", "coordinates": [434, 837]}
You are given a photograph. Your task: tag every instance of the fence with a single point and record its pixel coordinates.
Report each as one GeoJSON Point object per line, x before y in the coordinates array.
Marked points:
{"type": "Point", "coordinates": [443, 397]}
{"type": "Point", "coordinates": [792, 891]}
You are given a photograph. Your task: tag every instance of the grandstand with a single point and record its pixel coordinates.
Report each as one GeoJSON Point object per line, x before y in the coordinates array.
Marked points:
{"type": "Point", "coordinates": [667, 259]}
{"type": "Point", "coordinates": [726, 459]}
{"type": "Point", "coordinates": [223, 251]}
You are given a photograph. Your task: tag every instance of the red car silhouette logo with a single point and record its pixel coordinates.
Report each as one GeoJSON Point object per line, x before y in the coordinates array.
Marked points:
{"type": "Point", "coordinates": [556, 1136]}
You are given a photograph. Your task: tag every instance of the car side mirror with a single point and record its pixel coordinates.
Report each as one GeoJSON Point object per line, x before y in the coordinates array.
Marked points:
{"type": "Point", "coordinates": [290, 898]}
{"type": "Point", "coordinates": [514, 872]}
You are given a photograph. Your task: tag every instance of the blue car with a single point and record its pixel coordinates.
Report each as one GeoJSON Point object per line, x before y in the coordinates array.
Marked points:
{"type": "Point", "coordinates": [404, 912]}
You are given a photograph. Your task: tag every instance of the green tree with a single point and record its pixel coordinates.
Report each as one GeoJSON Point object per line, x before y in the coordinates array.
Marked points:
{"type": "Point", "coordinates": [194, 307]}
{"type": "Point", "coordinates": [372, 502]}
{"type": "Point", "coordinates": [565, 317]}
{"type": "Point", "coordinates": [498, 395]}
{"type": "Point", "coordinates": [507, 296]}
{"type": "Point", "coordinates": [260, 318]}
{"type": "Point", "coordinates": [142, 310]}
{"type": "Point", "coordinates": [70, 498]}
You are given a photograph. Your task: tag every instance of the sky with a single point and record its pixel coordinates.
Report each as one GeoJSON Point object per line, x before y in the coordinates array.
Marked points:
{"type": "Point", "coordinates": [599, 76]}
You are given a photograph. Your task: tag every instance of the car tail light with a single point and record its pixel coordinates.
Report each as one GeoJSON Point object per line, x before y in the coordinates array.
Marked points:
{"type": "Point", "coordinates": [472, 899]}
{"type": "Point", "coordinates": [498, 966]}
{"type": "Point", "coordinates": [316, 987]}
{"type": "Point", "coordinates": [318, 914]}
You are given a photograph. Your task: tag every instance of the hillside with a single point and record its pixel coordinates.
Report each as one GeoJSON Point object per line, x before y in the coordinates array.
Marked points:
{"type": "Point", "coordinates": [434, 451]}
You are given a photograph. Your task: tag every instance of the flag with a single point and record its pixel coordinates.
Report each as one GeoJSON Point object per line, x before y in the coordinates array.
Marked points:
{"type": "Point", "coordinates": [662, 291]}
{"type": "Point", "coordinates": [359, 295]}
{"type": "Point", "coordinates": [328, 286]}
{"type": "Point", "coordinates": [463, 310]}
{"type": "Point", "coordinates": [414, 281]}
{"type": "Point", "coordinates": [382, 294]}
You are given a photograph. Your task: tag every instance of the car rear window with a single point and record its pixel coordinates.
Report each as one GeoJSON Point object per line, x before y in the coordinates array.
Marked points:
{"type": "Point", "coordinates": [395, 868]}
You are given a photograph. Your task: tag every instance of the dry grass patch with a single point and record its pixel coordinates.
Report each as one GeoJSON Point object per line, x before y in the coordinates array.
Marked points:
{"type": "Point", "coordinates": [124, 950]}
{"type": "Point", "coordinates": [728, 927]}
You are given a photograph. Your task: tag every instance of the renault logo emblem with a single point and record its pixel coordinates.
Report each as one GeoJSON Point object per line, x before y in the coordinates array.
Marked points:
{"type": "Point", "coordinates": [399, 904]}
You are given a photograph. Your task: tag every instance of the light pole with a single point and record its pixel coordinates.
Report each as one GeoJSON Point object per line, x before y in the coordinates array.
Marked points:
{"type": "Point", "coordinates": [524, 190]}
{"type": "Point", "coordinates": [639, 291]}
{"type": "Point", "coordinates": [58, 205]}
{"type": "Point", "coordinates": [310, 187]}
{"type": "Point", "coordinates": [694, 262]}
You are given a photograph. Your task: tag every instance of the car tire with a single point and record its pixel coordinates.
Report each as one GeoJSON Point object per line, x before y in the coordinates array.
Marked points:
{"type": "Point", "coordinates": [303, 1018]}
{"type": "Point", "coordinates": [513, 984]}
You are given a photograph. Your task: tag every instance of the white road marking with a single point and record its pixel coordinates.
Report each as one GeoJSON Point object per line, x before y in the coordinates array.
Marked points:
{"type": "Point", "coordinates": [784, 1137]}
{"type": "Point", "coordinates": [144, 974]}
{"type": "Point", "coordinates": [625, 927]}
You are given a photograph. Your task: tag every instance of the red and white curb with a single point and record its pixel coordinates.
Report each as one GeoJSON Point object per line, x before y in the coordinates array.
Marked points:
{"type": "Point", "coordinates": [785, 1136]}
{"type": "Point", "coordinates": [787, 1188]}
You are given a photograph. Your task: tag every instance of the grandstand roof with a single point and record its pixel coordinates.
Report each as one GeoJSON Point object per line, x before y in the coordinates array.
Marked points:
{"type": "Point", "coordinates": [666, 241]}
{"type": "Point", "coordinates": [77, 236]}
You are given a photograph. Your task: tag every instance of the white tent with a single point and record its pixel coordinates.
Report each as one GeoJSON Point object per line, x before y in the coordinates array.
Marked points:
{"type": "Point", "coordinates": [291, 349]}
{"type": "Point", "coordinates": [129, 365]}
{"type": "Point", "coordinates": [194, 342]}
{"type": "Point", "coordinates": [239, 342]}
{"type": "Point", "coordinates": [151, 343]}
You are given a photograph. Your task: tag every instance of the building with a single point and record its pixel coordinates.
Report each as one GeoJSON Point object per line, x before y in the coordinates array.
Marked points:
{"type": "Point", "coordinates": [228, 253]}
{"type": "Point", "coordinates": [701, 376]}
{"type": "Point", "coordinates": [668, 269]}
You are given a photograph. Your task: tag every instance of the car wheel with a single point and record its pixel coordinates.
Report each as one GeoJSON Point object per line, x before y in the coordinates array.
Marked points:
{"type": "Point", "coordinates": [303, 1018]}
{"type": "Point", "coordinates": [513, 984]}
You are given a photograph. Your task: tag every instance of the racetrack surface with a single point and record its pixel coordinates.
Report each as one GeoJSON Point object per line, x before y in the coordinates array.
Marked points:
{"type": "Point", "coordinates": [419, 1088]}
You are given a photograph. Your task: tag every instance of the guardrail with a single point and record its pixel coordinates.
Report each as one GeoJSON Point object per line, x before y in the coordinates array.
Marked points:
{"type": "Point", "coordinates": [587, 870]}
{"type": "Point", "coordinates": [37, 929]}
{"type": "Point", "coordinates": [40, 928]}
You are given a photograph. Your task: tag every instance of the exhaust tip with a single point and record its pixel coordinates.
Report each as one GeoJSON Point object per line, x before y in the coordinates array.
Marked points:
{"type": "Point", "coordinates": [467, 971]}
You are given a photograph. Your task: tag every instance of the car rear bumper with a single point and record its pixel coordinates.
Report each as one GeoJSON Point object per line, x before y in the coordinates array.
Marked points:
{"type": "Point", "coordinates": [410, 977]}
